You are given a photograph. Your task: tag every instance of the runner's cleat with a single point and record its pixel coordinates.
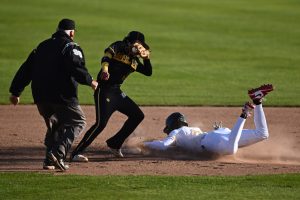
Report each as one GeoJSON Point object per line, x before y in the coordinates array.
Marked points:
{"type": "Point", "coordinates": [257, 94]}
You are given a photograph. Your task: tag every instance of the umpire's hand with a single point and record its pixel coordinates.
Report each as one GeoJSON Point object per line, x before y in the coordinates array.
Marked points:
{"type": "Point", "coordinates": [94, 85]}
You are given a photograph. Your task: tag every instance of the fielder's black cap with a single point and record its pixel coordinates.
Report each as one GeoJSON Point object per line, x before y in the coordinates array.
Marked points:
{"type": "Point", "coordinates": [66, 24]}
{"type": "Point", "coordinates": [134, 36]}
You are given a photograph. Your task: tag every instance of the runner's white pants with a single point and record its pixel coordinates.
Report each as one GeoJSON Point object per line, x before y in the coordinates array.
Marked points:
{"type": "Point", "coordinates": [226, 141]}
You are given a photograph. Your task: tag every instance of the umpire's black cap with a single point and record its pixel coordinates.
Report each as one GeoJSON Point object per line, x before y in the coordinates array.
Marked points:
{"type": "Point", "coordinates": [66, 24]}
{"type": "Point", "coordinates": [134, 36]}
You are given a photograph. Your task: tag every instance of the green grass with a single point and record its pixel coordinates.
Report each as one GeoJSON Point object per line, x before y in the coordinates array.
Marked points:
{"type": "Point", "coordinates": [46, 186]}
{"type": "Point", "coordinates": [203, 52]}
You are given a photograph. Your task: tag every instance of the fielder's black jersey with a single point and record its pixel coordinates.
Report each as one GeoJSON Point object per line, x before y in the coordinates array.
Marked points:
{"type": "Point", "coordinates": [122, 63]}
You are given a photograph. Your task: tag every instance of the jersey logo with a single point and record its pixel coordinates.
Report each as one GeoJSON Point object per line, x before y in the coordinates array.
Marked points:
{"type": "Point", "coordinates": [122, 58]}
{"type": "Point", "coordinates": [70, 44]}
{"type": "Point", "coordinates": [77, 53]}
{"type": "Point", "coordinates": [123, 95]}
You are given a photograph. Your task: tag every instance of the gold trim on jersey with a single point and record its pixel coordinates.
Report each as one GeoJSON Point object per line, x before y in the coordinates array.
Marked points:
{"type": "Point", "coordinates": [122, 58]}
{"type": "Point", "coordinates": [126, 60]}
{"type": "Point", "coordinates": [108, 55]}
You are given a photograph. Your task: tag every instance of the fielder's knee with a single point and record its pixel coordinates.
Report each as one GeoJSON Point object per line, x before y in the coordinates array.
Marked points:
{"type": "Point", "coordinates": [140, 117]}
{"type": "Point", "coordinates": [137, 117]}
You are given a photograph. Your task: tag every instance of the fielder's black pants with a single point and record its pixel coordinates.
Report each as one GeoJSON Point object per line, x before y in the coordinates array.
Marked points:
{"type": "Point", "coordinates": [64, 124]}
{"type": "Point", "coordinates": [107, 101]}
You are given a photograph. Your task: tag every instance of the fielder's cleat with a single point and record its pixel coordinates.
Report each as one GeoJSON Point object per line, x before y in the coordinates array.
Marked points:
{"type": "Point", "coordinates": [66, 166]}
{"type": "Point", "coordinates": [48, 165]}
{"type": "Point", "coordinates": [80, 158]}
{"type": "Point", "coordinates": [246, 110]}
{"type": "Point", "coordinates": [116, 152]}
{"type": "Point", "coordinates": [58, 162]}
{"type": "Point", "coordinates": [257, 94]}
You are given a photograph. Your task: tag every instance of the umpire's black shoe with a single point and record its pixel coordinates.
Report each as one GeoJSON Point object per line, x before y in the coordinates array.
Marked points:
{"type": "Point", "coordinates": [48, 164]}
{"type": "Point", "coordinates": [58, 162]}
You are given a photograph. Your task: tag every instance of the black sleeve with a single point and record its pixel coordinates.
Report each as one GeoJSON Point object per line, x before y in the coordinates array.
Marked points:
{"type": "Point", "coordinates": [112, 49]}
{"type": "Point", "coordinates": [75, 63]}
{"type": "Point", "coordinates": [106, 58]}
{"type": "Point", "coordinates": [145, 68]}
{"type": "Point", "coordinates": [23, 76]}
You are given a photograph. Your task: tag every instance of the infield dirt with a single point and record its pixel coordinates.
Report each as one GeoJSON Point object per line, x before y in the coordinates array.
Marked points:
{"type": "Point", "coordinates": [22, 132]}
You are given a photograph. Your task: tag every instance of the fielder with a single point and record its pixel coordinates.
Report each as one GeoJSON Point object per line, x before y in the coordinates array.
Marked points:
{"type": "Point", "coordinates": [120, 59]}
{"type": "Point", "coordinates": [221, 141]}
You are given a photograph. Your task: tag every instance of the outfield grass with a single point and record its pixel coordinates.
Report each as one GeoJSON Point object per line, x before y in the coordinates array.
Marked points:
{"type": "Point", "coordinates": [203, 52]}
{"type": "Point", "coordinates": [46, 186]}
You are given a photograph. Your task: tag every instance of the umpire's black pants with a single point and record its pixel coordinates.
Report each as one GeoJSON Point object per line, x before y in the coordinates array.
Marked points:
{"type": "Point", "coordinates": [64, 124]}
{"type": "Point", "coordinates": [107, 101]}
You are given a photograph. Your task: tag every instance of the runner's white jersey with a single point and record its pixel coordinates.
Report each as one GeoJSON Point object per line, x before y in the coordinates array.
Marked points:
{"type": "Point", "coordinates": [185, 137]}
{"type": "Point", "coordinates": [188, 138]}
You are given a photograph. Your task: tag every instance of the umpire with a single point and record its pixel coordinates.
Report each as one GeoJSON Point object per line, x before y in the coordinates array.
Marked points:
{"type": "Point", "coordinates": [54, 69]}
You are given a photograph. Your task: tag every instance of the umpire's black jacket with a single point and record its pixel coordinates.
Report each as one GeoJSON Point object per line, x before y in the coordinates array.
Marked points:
{"type": "Point", "coordinates": [53, 68]}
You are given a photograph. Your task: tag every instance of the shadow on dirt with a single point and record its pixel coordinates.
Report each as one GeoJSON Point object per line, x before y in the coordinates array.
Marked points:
{"type": "Point", "coordinates": [20, 155]}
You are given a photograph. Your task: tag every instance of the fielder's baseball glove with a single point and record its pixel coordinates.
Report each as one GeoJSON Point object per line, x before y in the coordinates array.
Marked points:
{"type": "Point", "coordinates": [138, 49]}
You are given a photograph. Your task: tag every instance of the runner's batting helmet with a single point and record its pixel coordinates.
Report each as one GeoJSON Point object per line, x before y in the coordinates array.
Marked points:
{"type": "Point", "coordinates": [174, 121]}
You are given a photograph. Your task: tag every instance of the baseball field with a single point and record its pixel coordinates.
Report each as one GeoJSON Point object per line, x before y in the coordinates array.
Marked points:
{"type": "Point", "coordinates": [205, 55]}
